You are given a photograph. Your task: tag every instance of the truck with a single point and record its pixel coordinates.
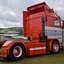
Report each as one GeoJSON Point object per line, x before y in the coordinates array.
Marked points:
{"type": "Point", "coordinates": [43, 28]}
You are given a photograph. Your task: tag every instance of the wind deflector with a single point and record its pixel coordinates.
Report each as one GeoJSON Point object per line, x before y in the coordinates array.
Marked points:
{"type": "Point", "coordinates": [36, 8]}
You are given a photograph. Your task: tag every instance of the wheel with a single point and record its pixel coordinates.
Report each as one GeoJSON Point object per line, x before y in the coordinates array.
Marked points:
{"type": "Point", "coordinates": [55, 46]}
{"type": "Point", "coordinates": [17, 52]}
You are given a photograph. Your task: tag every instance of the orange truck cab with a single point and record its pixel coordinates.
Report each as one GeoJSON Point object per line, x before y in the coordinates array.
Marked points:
{"type": "Point", "coordinates": [42, 26]}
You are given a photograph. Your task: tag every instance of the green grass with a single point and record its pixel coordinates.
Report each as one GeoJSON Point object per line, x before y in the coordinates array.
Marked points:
{"type": "Point", "coordinates": [42, 59]}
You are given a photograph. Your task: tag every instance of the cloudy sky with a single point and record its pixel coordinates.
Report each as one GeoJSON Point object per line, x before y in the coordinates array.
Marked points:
{"type": "Point", "coordinates": [11, 10]}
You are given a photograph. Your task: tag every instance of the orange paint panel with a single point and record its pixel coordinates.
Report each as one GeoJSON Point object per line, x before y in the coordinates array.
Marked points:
{"type": "Point", "coordinates": [35, 48]}
{"type": "Point", "coordinates": [40, 48]}
{"type": "Point", "coordinates": [35, 26]}
{"type": "Point", "coordinates": [49, 43]}
{"type": "Point", "coordinates": [25, 23]}
{"type": "Point", "coordinates": [28, 46]}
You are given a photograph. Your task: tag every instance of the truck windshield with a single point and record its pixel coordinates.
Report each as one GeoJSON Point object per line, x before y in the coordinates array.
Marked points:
{"type": "Point", "coordinates": [57, 23]}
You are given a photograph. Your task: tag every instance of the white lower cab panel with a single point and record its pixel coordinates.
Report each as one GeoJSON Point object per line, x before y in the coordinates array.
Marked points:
{"type": "Point", "coordinates": [54, 32]}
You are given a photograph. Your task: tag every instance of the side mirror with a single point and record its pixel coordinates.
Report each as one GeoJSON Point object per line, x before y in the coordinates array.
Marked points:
{"type": "Point", "coordinates": [62, 24]}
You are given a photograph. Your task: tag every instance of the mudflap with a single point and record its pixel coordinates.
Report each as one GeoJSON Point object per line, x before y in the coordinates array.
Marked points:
{"type": "Point", "coordinates": [3, 59]}
{"type": "Point", "coordinates": [62, 47]}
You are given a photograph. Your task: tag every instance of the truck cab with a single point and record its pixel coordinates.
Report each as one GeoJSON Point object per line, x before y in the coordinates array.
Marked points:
{"type": "Point", "coordinates": [33, 22]}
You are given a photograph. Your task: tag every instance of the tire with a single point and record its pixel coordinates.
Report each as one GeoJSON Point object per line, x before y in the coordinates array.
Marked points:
{"type": "Point", "coordinates": [55, 47]}
{"type": "Point", "coordinates": [17, 52]}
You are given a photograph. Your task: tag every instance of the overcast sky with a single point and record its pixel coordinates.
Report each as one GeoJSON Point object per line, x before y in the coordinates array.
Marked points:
{"type": "Point", "coordinates": [11, 10]}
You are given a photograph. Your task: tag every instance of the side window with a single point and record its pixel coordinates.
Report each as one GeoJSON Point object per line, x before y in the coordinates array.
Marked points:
{"type": "Point", "coordinates": [57, 23]}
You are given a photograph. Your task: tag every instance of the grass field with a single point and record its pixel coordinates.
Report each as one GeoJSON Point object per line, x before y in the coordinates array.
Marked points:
{"type": "Point", "coordinates": [42, 59]}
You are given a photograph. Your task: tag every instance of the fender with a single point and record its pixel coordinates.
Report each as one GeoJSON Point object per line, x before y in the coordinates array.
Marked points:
{"type": "Point", "coordinates": [8, 44]}
{"type": "Point", "coordinates": [49, 43]}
